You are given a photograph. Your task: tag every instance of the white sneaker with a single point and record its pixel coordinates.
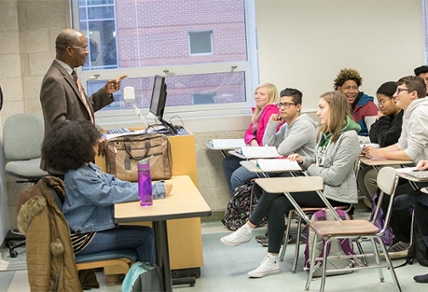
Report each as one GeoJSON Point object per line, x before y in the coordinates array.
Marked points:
{"type": "Point", "coordinates": [240, 236]}
{"type": "Point", "coordinates": [268, 266]}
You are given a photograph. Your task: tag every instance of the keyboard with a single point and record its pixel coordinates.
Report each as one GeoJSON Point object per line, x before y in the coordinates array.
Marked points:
{"type": "Point", "coordinates": [118, 131]}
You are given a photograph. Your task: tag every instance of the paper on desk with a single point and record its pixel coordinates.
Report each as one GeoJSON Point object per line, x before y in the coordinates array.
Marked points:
{"type": "Point", "coordinates": [405, 169]}
{"type": "Point", "coordinates": [278, 165]}
{"type": "Point", "coordinates": [227, 143]}
{"type": "Point", "coordinates": [374, 145]}
{"type": "Point", "coordinates": [260, 152]}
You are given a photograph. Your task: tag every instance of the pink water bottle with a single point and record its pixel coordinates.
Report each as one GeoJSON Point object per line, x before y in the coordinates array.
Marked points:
{"type": "Point", "coordinates": [145, 182]}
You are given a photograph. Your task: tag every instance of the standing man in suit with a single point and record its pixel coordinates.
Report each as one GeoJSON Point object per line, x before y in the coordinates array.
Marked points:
{"type": "Point", "coordinates": [61, 95]}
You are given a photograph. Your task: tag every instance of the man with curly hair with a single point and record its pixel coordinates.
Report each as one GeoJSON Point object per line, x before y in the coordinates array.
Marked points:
{"type": "Point", "coordinates": [364, 111]}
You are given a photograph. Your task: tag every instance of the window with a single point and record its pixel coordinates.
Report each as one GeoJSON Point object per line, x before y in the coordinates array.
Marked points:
{"type": "Point", "coordinates": [200, 42]}
{"type": "Point", "coordinates": [425, 21]}
{"type": "Point", "coordinates": [207, 53]}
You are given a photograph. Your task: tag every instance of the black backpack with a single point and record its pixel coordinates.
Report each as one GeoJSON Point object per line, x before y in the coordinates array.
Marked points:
{"type": "Point", "coordinates": [418, 250]}
{"type": "Point", "coordinates": [240, 207]}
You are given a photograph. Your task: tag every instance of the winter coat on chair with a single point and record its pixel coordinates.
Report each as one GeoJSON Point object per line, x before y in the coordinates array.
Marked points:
{"type": "Point", "coordinates": [51, 264]}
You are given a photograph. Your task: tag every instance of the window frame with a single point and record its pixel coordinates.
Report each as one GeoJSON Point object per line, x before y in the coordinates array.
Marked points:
{"type": "Point", "coordinates": [249, 67]}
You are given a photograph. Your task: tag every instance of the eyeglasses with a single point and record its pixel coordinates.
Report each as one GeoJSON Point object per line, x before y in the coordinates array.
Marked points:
{"type": "Point", "coordinates": [382, 102]}
{"type": "Point", "coordinates": [285, 104]}
{"type": "Point", "coordinates": [80, 48]}
{"type": "Point", "coordinates": [397, 92]}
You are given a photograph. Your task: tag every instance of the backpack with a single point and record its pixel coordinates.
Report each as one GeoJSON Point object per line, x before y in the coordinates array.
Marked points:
{"type": "Point", "coordinates": [240, 207]}
{"type": "Point", "coordinates": [142, 277]}
{"type": "Point", "coordinates": [388, 235]}
{"type": "Point", "coordinates": [417, 250]}
{"type": "Point", "coordinates": [338, 247]}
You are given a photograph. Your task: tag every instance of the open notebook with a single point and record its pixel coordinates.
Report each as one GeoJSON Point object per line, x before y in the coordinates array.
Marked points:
{"type": "Point", "coordinates": [227, 143]}
{"type": "Point", "coordinates": [278, 165]}
{"type": "Point", "coordinates": [413, 173]}
{"type": "Point", "coordinates": [259, 152]}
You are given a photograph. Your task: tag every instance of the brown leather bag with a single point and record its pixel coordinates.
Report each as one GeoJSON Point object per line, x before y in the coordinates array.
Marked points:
{"type": "Point", "coordinates": [123, 153]}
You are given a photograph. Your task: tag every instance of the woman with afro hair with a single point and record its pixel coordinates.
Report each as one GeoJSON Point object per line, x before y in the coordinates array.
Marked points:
{"type": "Point", "coordinates": [90, 194]}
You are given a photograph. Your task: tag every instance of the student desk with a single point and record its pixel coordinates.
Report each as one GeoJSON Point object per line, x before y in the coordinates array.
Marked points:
{"type": "Point", "coordinates": [185, 201]}
{"type": "Point", "coordinates": [375, 163]}
{"type": "Point", "coordinates": [288, 185]}
{"type": "Point", "coordinates": [184, 235]}
{"type": "Point", "coordinates": [381, 162]}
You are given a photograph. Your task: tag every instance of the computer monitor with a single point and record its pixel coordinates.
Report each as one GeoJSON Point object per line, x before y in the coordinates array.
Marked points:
{"type": "Point", "coordinates": [158, 101]}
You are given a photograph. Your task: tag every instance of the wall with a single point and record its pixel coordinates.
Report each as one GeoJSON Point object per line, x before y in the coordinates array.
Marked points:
{"type": "Point", "coordinates": [28, 30]}
{"type": "Point", "coordinates": [304, 43]}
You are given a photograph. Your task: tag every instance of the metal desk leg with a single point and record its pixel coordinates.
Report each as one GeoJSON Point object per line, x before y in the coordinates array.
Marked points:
{"type": "Point", "coordinates": [162, 252]}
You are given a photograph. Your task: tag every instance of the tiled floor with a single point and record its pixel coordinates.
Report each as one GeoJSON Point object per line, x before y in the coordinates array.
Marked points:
{"type": "Point", "coordinates": [226, 268]}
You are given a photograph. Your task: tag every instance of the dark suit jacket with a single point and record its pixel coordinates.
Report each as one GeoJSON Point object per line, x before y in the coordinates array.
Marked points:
{"type": "Point", "coordinates": [60, 100]}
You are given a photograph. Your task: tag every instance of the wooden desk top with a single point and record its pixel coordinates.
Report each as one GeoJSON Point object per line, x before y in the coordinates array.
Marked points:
{"type": "Point", "coordinates": [185, 201]}
{"type": "Point", "coordinates": [372, 162]}
{"type": "Point", "coordinates": [291, 184]}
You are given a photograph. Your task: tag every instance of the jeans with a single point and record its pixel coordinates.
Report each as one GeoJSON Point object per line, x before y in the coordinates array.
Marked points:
{"type": "Point", "coordinates": [230, 164]}
{"type": "Point", "coordinates": [276, 206]}
{"type": "Point", "coordinates": [140, 238]}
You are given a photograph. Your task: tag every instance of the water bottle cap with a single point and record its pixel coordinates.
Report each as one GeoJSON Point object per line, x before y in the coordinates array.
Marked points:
{"type": "Point", "coordinates": [145, 160]}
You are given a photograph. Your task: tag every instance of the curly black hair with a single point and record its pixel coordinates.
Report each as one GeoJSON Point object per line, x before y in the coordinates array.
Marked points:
{"type": "Point", "coordinates": [347, 74]}
{"type": "Point", "coordinates": [70, 145]}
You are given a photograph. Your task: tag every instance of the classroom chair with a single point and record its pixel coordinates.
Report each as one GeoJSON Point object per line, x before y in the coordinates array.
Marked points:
{"type": "Point", "coordinates": [22, 142]}
{"type": "Point", "coordinates": [358, 230]}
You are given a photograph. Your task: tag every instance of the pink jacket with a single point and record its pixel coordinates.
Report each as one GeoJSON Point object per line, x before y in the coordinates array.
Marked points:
{"type": "Point", "coordinates": [261, 126]}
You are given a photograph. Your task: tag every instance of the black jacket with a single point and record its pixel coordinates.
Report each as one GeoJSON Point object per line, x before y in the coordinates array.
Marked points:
{"type": "Point", "coordinates": [386, 130]}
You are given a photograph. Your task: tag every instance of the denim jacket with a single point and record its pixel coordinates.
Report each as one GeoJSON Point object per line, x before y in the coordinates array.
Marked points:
{"type": "Point", "coordinates": [90, 195]}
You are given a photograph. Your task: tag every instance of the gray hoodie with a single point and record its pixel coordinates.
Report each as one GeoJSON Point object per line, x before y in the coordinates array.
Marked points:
{"type": "Point", "coordinates": [414, 133]}
{"type": "Point", "coordinates": [298, 137]}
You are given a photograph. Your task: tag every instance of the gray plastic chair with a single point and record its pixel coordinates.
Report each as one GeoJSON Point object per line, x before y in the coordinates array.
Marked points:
{"type": "Point", "coordinates": [22, 142]}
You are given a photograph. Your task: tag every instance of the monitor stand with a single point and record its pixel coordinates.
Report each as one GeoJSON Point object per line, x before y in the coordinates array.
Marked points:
{"type": "Point", "coordinates": [169, 128]}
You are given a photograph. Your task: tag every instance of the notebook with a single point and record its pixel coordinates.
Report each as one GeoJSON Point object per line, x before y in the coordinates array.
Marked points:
{"type": "Point", "coordinates": [414, 174]}
{"type": "Point", "coordinates": [259, 152]}
{"type": "Point", "coordinates": [227, 143]}
{"type": "Point", "coordinates": [278, 165]}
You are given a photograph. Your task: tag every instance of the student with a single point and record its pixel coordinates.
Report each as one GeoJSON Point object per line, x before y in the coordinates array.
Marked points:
{"type": "Point", "coordinates": [335, 153]}
{"type": "Point", "coordinates": [385, 131]}
{"type": "Point", "coordinates": [422, 72]}
{"type": "Point", "coordinates": [364, 111]}
{"type": "Point", "coordinates": [297, 135]}
{"type": "Point", "coordinates": [90, 194]}
{"type": "Point", "coordinates": [266, 97]}
{"type": "Point", "coordinates": [419, 200]}
{"type": "Point", "coordinates": [412, 145]}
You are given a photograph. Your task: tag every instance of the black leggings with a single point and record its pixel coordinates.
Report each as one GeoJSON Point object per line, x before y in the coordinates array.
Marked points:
{"type": "Point", "coordinates": [276, 207]}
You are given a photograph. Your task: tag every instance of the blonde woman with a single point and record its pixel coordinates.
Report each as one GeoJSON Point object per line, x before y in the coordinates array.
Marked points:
{"type": "Point", "coordinates": [335, 153]}
{"type": "Point", "coordinates": [266, 97]}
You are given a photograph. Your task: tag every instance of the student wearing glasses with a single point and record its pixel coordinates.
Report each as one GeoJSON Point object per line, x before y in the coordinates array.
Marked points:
{"type": "Point", "coordinates": [364, 111]}
{"type": "Point", "coordinates": [412, 145]}
{"type": "Point", "coordinates": [333, 159]}
{"type": "Point", "coordinates": [296, 135]}
{"type": "Point", "coordinates": [385, 131]}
